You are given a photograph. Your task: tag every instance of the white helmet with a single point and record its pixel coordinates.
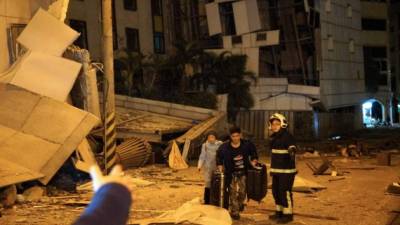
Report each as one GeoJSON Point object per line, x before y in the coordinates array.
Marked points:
{"type": "Point", "coordinates": [280, 117]}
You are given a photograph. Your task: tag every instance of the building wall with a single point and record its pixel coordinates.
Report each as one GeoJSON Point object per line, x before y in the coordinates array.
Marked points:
{"type": "Point", "coordinates": [79, 10]}
{"type": "Point", "coordinates": [140, 19]}
{"type": "Point", "coordinates": [378, 38]}
{"type": "Point", "coordinates": [395, 44]}
{"type": "Point", "coordinates": [342, 76]}
{"type": "Point", "coordinates": [15, 12]}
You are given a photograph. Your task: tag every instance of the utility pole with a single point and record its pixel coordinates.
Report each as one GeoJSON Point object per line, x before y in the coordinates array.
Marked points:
{"type": "Point", "coordinates": [109, 134]}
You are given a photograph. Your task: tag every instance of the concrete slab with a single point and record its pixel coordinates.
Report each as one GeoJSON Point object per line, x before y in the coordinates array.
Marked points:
{"type": "Point", "coordinates": [11, 173]}
{"type": "Point", "coordinates": [47, 75]}
{"type": "Point", "coordinates": [21, 103]}
{"type": "Point", "coordinates": [39, 137]}
{"type": "Point", "coordinates": [63, 117]}
{"type": "Point", "coordinates": [46, 34]}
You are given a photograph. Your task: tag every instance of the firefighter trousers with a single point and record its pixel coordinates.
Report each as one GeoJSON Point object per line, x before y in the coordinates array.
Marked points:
{"type": "Point", "coordinates": [282, 184]}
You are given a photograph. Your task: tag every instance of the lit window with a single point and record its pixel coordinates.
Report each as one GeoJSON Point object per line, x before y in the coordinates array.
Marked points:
{"type": "Point", "coordinates": [159, 44]}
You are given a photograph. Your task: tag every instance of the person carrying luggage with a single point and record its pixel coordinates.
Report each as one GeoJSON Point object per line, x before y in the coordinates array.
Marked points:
{"type": "Point", "coordinates": [207, 161]}
{"type": "Point", "coordinates": [283, 168]}
{"type": "Point", "coordinates": [234, 157]}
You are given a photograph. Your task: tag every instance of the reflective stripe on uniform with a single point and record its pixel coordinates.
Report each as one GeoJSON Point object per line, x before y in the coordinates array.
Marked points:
{"type": "Point", "coordinates": [279, 208]}
{"type": "Point", "coordinates": [273, 170]}
{"type": "Point", "coordinates": [280, 151]}
{"type": "Point", "coordinates": [289, 209]}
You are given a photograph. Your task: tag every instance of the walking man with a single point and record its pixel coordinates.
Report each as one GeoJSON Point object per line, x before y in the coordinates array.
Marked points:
{"type": "Point", "coordinates": [234, 157]}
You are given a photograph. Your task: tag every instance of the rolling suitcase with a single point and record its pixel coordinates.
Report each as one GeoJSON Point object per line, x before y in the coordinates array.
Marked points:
{"type": "Point", "coordinates": [218, 192]}
{"type": "Point", "coordinates": [257, 182]}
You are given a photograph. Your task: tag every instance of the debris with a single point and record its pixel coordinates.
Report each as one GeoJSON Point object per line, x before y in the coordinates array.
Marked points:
{"type": "Point", "coordinates": [34, 194]}
{"type": "Point", "coordinates": [21, 220]}
{"type": "Point", "coordinates": [136, 182]}
{"type": "Point", "coordinates": [357, 168]}
{"type": "Point", "coordinates": [384, 158]}
{"type": "Point", "coordinates": [354, 151]}
{"type": "Point", "coordinates": [44, 33]}
{"type": "Point", "coordinates": [309, 215]}
{"type": "Point", "coordinates": [84, 94]}
{"type": "Point", "coordinates": [336, 179]}
{"type": "Point", "coordinates": [134, 152]}
{"type": "Point", "coordinates": [59, 9]}
{"type": "Point", "coordinates": [304, 185]}
{"type": "Point", "coordinates": [175, 158]}
{"type": "Point", "coordinates": [76, 203]}
{"type": "Point", "coordinates": [308, 155]}
{"type": "Point", "coordinates": [176, 180]}
{"type": "Point", "coordinates": [36, 73]}
{"type": "Point", "coordinates": [194, 133]}
{"type": "Point", "coordinates": [29, 120]}
{"type": "Point", "coordinates": [20, 199]}
{"type": "Point", "coordinates": [8, 196]}
{"type": "Point", "coordinates": [191, 212]}
{"type": "Point", "coordinates": [32, 108]}
{"type": "Point", "coordinates": [321, 169]}
{"type": "Point", "coordinates": [85, 157]}
{"type": "Point", "coordinates": [394, 188]}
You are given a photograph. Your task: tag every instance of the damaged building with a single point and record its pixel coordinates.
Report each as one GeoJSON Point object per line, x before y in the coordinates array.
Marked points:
{"type": "Point", "coordinates": [316, 61]}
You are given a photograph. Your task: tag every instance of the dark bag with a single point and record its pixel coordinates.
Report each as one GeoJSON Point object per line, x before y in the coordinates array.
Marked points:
{"type": "Point", "coordinates": [218, 192]}
{"type": "Point", "coordinates": [257, 182]}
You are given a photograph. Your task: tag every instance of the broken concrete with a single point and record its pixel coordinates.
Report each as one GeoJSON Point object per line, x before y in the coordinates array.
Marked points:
{"type": "Point", "coordinates": [25, 133]}
{"type": "Point", "coordinates": [193, 212]}
{"type": "Point", "coordinates": [47, 75]}
{"type": "Point", "coordinates": [46, 34]}
{"type": "Point", "coordinates": [34, 194]}
{"type": "Point", "coordinates": [8, 196]}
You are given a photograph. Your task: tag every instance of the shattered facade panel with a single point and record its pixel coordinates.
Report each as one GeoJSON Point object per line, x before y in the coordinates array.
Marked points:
{"type": "Point", "coordinates": [45, 133]}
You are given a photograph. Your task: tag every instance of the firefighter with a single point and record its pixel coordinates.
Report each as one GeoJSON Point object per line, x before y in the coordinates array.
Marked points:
{"type": "Point", "coordinates": [283, 168]}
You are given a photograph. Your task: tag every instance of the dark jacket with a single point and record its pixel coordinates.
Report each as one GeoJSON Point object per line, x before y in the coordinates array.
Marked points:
{"type": "Point", "coordinates": [282, 144]}
{"type": "Point", "coordinates": [110, 206]}
{"type": "Point", "coordinates": [225, 158]}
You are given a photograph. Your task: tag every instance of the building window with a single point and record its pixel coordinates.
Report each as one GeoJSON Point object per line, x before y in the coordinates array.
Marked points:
{"type": "Point", "coordinates": [130, 5]}
{"type": "Point", "coordinates": [373, 24]}
{"type": "Point", "coordinates": [80, 26]}
{"type": "Point", "coordinates": [349, 11]}
{"type": "Point", "coordinates": [15, 49]}
{"type": "Point", "coordinates": [328, 6]}
{"type": "Point", "coordinates": [158, 26]}
{"type": "Point", "coordinates": [330, 43]}
{"type": "Point", "coordinates": [159, 44]}
{"type": "Point", "coordinates": [132, 39]}
{"type": "Point", "coordinates": [156, 7]}
{"type": "Point", "coordinates": [351, 46]}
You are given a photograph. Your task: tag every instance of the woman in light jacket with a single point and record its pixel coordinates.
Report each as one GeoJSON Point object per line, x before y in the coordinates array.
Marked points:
{"type": "Point", "coordinates": [207, 161]}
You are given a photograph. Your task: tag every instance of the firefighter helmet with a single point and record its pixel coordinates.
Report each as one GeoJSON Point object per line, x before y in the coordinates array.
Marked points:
{"type": "Point", "coordinates": [280, 117]}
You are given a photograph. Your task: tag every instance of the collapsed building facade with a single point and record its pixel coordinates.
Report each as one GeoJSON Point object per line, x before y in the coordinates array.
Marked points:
{"type": "Point", "coordinates": [318, 62]}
